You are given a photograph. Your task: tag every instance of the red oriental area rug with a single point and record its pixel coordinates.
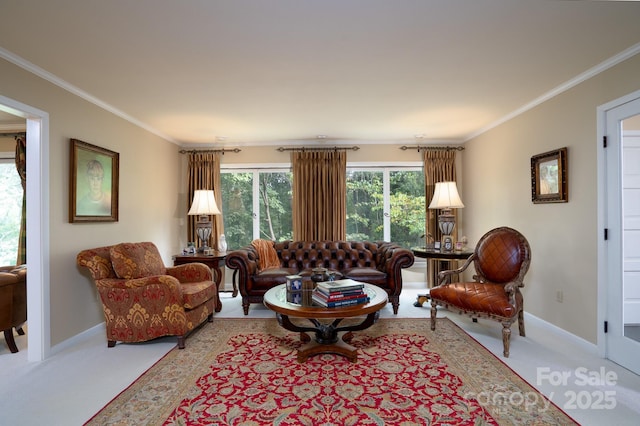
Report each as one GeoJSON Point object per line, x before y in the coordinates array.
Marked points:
{"type": "Point", "coordinates": [244, 372]}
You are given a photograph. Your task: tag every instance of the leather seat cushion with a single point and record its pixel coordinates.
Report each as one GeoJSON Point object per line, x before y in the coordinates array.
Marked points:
{"type": "Point", "coordinates": [272, 277]}
{"type": "Point", "coordinates": [367, 275]}
{"type": "Point", "coordinates": [479, 297]}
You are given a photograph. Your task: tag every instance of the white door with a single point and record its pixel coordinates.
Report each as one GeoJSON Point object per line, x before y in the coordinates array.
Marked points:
{"type": "Point", "coordinates": [622, 248]}
{"type": "Point", "coordinates": [631, 226]}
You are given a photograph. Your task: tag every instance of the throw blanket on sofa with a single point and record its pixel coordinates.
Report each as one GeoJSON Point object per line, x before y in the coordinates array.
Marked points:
{"type": "Point", "coordinates": [268, 258]}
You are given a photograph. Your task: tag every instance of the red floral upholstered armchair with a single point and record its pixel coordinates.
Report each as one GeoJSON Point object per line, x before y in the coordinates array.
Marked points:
{"type": "Point", "coordinates": [142, 299]}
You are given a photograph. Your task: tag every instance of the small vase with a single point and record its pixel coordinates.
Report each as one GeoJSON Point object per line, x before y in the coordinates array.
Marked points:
{"type": "Point", "coordinates": [222, 243]}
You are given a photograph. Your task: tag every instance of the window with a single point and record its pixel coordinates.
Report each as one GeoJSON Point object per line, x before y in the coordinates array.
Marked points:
{"type": "Point", "coordinates": [10, 212]}
{"type": "Point", "coordinates": [256, 204]}
{"type": "Point", "coordinates": [387, 204]}
{"type": "Point", "coordinates": [383, 203]}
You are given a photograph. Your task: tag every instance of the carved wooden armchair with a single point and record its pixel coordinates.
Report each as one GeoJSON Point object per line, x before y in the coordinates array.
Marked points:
{"type": "Point", "coordinates": [142, 299]}
{"type": "Point", "coordinates": [501, 259]}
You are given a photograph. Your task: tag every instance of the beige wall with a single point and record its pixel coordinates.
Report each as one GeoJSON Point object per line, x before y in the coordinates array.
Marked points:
{"type": "Point", "coordinates": [563, 237]}
{"type": "Point", "coordinates": [7, 144]}
{"type": "Point", "coordinates": [149, 193]}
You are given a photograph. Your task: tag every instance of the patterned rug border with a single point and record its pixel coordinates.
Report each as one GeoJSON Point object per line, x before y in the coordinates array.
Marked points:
{"type": "Point", "coordinates": [482, 372]}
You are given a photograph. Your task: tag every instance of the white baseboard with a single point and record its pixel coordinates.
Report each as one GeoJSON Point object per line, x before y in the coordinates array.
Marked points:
{"type": "Point", "coordinates": [562, 334]}
{"type": "Point", "coordinates": [78, 338]}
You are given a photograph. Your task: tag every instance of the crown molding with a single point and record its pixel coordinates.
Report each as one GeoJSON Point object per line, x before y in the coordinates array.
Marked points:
{"type": "Point", "coordinates": [52, 78]}
{"type": "Point", "coordinates": [580, 78]}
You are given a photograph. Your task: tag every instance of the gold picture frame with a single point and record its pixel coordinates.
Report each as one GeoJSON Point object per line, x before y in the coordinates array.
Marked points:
{"type": "Point", "coordinates": [549, 179]}
{"type": "Point", "coordinates": [93, 183]}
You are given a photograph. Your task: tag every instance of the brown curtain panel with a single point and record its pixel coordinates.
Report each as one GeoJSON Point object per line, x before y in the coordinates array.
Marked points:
{"type": "Point", "coordinates": [204, 173]}
{"type": "Point", "coordinates": [21, 167]}
{"type": "Point", "coordinates": [319, 195]}
{"type": "Point", "coordinates": [439, 166]}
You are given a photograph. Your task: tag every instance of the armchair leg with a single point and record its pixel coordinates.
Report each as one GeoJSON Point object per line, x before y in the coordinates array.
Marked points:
{"type": "Point", "coordinates": [8, 337]}
{"type": "Point", "coordinates": [181, 342]}
{"type": "Point", "coordinates": [506, 337]}
{"type": "Point", "coordinates": [210, 318]}
{"type": "Point", "coordinates": [111, 343]}
{"type": "Point", "coordinates": [245, 306]}
{"type": "Point", "coordinates": [521, 322]}
{"type": "Point", "coordinates": [20, 331]}
{"type": "Point", "coordinates": [434, 311]}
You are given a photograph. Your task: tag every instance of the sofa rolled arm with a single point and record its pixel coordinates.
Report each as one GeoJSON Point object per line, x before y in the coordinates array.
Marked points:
{"type": "Point", "coordinates": [191, 272]}
{"type": "Point", "coordinates": [245, 263]}
{"type": "Point", "coordinates": [392, 259]}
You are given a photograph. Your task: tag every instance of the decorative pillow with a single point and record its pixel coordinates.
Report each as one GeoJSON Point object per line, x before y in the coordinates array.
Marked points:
{"type": "Point", "coordinates": [267, 255]}
{"type": "Point", "coordinates": [136, 260]}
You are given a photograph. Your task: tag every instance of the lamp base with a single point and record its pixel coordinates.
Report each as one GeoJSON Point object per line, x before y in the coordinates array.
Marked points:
{"type": "Point", "coordinates": [446, 223]}
{"type": "Point", "coordinates": [203, 248]}
{"type": "Point", "coordinates": [203, 230]}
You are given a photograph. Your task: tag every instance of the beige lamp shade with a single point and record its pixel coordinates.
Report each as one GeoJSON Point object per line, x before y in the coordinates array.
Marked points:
{"type": "Point", "coordinates": [446, 196]}
{"type": "Point", "coordinates": [204, 203]}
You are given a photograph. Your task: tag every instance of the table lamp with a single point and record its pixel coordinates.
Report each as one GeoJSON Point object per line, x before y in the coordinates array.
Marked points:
{"type": "Point", "coordinates": [445, 197]}
{"type": "Point", "coordinates": [204, 205]}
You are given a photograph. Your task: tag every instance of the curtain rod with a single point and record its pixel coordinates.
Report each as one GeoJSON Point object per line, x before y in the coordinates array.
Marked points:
{"type": "Point", "coordinates": [13, 134]}
{"type": "Point", "coordinates": [195, 151]}
{"type": "Point", "coordinates": [311, 148]}
{"type": "Point", "coordinates": [433, 148]}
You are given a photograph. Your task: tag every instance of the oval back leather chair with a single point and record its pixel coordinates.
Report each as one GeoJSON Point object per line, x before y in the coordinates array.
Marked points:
{"type": "Point", "coordinates": [501, 259]}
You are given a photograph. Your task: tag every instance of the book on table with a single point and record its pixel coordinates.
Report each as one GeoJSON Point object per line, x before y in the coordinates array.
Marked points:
{"type": "Point", "coordinates": [346, 284]}
{"type": "Point", "coordinates": [340, 303]}
{"type": "Point", "coordinates": [338, 295]}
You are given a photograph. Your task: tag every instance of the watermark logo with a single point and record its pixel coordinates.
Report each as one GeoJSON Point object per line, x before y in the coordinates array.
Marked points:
{"type": "Point", "coordinates": [596, 394]}
{"type": "Point", "coordinates": [504, 400]}
{"type": "Point", "coordinates": [589, 389]}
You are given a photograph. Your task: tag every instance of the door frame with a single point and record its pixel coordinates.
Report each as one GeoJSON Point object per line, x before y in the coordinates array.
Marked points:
{"type": "Point", "coordinates": [37, 194]}
{"type": "Point", "coordinates": [603, 220]}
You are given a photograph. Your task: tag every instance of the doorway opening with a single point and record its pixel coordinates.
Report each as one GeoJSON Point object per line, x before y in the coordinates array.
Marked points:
{"type": "Point", "coordinates": [37, 194]}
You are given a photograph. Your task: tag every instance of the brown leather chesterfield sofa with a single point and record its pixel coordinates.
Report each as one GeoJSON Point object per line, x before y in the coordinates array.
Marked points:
{"type": "Point", "coordinates": [378, 263]}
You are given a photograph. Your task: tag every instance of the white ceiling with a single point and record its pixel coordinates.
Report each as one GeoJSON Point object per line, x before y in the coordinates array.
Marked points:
{"type": "Point", "coordinates": [285, 71]}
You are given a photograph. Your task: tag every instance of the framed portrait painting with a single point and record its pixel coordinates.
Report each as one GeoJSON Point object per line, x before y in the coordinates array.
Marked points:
{"type": "Point", "coordinates": [549, 180]}
{"type": "Point", "coordinates": [93, 183]}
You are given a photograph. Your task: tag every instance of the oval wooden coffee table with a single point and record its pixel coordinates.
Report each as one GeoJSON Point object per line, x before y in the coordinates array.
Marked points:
{"type": "Point", "coordinates": [329, 336]}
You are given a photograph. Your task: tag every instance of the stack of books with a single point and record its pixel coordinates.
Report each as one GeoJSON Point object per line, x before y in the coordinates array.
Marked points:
{"type": "Point", "coordinates": [346, 292]}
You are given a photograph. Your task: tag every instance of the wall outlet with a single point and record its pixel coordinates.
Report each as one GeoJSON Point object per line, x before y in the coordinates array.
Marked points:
{"type": "Point", "coordinates": [559, 296]}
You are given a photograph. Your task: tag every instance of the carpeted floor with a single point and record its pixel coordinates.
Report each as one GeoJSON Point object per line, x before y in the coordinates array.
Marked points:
{"type": "Point", "coordinates": [244, 371]}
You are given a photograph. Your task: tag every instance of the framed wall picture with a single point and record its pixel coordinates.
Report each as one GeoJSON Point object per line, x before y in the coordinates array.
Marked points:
{"type": "Point", "coordinates": [549, 179]}
{"type": "Point", "coordinates": [93, 183]}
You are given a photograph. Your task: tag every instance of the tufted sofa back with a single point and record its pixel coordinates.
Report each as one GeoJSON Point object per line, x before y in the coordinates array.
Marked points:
{"type": "Point", "coordinates": [336, 255]}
